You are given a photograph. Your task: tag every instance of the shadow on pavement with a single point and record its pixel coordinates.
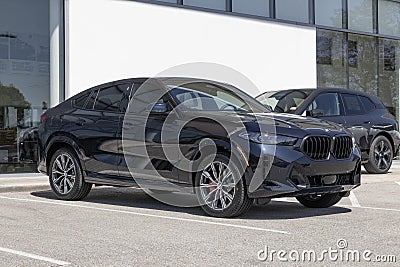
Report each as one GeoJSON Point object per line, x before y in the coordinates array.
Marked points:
{"type": "Point", "coordinates": [136, 198]}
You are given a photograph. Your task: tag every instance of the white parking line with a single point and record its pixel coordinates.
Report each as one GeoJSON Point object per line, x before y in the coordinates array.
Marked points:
{"type": "Point", "coordinates": [398, 183]}
{"type": "Point", "coordinates": [372, 208]}
{"type": "Point", "coordinates": [33, 256]}
{"type": "Point", "coordinates": [354, 200]}
{"type": "Point", "coordinates": [147, 215]}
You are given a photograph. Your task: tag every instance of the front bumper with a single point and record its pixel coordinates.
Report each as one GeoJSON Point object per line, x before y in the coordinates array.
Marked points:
{"type": "Point", "coordinates": [292, 174]}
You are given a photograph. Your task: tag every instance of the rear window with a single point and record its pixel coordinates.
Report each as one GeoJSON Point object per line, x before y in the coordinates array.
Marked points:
{"type": "Point", "coordinates": [352, 105]}
{"type": "Point", "coordinates": [368, 104]}
{"type": "Point", "coordinates": [80, 102]}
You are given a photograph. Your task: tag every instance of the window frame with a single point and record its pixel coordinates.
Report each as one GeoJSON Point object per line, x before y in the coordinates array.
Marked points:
{"type": "Point", "coordinates": [96, 91]}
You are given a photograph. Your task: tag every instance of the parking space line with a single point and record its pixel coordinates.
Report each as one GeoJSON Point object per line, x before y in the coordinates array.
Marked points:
{"type": "Point", "coordinates": [353, 199]}
{"type": "Point", "coordinates": [147, 215]}
{"type": "Point", "coordinates": [35, 257]}
{"type": "Point", "coordinates": [372, 208]}
{"type": "Point", "coordinates": [397, 183]}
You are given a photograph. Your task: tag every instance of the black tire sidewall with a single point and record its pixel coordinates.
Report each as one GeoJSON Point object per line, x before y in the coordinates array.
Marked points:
{"type": "Point", "coordinates": [325, 201]}
{"type": "Point", "coordinates": [371, 166]}
{"type": "Point", "coordinates": [79, 181]}
{"type": "Point", "coordinates": [240, 199]}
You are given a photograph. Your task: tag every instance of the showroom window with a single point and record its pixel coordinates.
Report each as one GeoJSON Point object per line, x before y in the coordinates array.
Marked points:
{"type": "Point", "coordinates": [168, 1]}
{"type": "Point", "coordinates": [331, 67]}
{"type": "Point", "coordinates": [256, 7]}
{"type": "Point", "coordinates": [293, 10]}
{"type": "Point", "coordinates": [212, 4]}
{"type": "Point", "coordinates": [329, 13]}
{"type": "Point", "coordinates": [362, 63]}
{"type": "Point", "coordinates": [360, 15]}
{"type": "Point", "coordinates": [389, 82]}
{"type": "Point", "coordinates": [24, 75]}
{"type": "Point", "coordinates": [389, 17]}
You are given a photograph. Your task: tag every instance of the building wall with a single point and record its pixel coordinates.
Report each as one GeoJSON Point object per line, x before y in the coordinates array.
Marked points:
{"type": "Point", "coordinates": [109, 40]}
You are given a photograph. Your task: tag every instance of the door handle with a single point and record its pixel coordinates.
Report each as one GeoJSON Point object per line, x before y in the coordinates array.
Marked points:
{"type": "Point", "coordinates": [81, 122]}
{"type": "Point", "coordinates": [367, 122]}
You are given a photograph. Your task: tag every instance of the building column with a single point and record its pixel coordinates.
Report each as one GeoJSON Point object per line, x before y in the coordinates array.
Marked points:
{"type": "Point", "coordinates": [56, 52]}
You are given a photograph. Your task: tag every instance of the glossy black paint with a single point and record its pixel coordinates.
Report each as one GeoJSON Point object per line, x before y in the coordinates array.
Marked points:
{"type": "Point", "coordinates": [96, 137]}
{"type": "Point", "coordinates": [364, 127]}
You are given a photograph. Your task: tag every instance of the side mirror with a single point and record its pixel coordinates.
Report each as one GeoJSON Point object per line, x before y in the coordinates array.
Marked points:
{"type": "Point", "coordinates": [159, 108]}
{"type": "Point", "coordinates": [315, 113]}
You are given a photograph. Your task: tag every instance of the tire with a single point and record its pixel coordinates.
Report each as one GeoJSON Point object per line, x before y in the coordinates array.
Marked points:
{"type": "Point", "coordinates": [380, 156]}
{"type": "Point", "coordinates": [73, 187]}
{"type": "Point", "coordinates": [320, 201]}
{"type": "Point", "coordinates": [228, 198]}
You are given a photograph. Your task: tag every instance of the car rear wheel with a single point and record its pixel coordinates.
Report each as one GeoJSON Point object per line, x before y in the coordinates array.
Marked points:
{"type": "Point", "coordinates": [380, 156]}
{"type": "Point", "coordinates": [220, 189]}
{"type": "Point", "coordinates": [320, 201]}
{"type": "Point", "coordinates": [65, 175]}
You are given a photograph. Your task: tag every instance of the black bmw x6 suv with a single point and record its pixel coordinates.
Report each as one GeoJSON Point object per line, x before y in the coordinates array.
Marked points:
{"type": "Point", "coordinates": [126, 132]}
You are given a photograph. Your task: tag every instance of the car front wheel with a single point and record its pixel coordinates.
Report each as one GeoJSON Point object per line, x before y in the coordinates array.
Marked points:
{"type": "Point", "coordinates": [220, 189]}
{"type": "Point", "coordinates": [320, 201]}
{"type": "Point", "coordinates": [380, 156]}
{"type": "Point", "coordinates": [65, 175]}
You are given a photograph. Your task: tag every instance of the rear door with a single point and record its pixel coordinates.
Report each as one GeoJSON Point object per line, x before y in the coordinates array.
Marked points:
{"type": "Point", "coordinates": [357, 120]}
{"type": "Point", "coordinates": [96, 129]}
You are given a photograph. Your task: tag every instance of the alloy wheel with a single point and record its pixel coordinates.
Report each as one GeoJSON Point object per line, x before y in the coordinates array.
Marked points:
{"type": "Point", "coordinates": [63, 173]}
{"type": "Point", "coordinates": [217, 186]}
{"type": "Point", "coordinates": [382, 155]}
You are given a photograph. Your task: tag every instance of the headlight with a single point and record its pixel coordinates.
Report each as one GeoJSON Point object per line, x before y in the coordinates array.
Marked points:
{"type": "Point", "coordinates": [269, 139]}
{"type": "Point", "coordinates": [354, 142]}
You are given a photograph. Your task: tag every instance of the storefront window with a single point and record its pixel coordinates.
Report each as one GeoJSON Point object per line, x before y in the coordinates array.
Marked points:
{"type": "Point", "coordinates": [360, 15]}
{"type": "Point", "coordinates": [331, 59]}
{"type": "Point", "coordinates": [389, 61]}
{"type": "Point", "coordinates": [293, 10]}
{"type": "Point", "coordinates": [212, 4]}
{"type": "Point", "coordinates": [257, 7]}
{"type": "Point", "coordinates": [389, 17]}
{"type": "Point", "coordinates": [24, 75]}
{"type": "Point", "coordinates": [328, 13]}
{"type": "Point", "coordinates": [362, 64]}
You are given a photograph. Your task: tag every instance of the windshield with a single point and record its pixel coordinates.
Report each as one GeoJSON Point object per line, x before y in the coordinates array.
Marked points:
{"type": "Point", "coordinates": [284, 101]}
{"type": "Point", "coordinates": [212, 97]}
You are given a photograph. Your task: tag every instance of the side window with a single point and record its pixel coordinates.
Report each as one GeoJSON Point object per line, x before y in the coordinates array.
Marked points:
{"type": "Point", "coordinates": [81, 101]}
{"type": "Point", "coordinates": [368, 104]}
{"type": "Point", "coordinates": [352, 105]}
{"type": "Point", "coordinates": [143, 96]}
{"type": "Point", "coordinates": [328, 103]}
{"type": "Point", "coordinates": [108, 99]}
{"type": "Point", "coordinates": [188, 99]}
{"type": "Point", "coordinates": [92, 99]}
{"type": "Point", "coordinates": [126, 92]}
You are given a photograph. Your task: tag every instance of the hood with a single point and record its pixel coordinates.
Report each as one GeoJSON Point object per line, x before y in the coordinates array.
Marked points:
{"type": "Point", "coordinates": [296, 121]}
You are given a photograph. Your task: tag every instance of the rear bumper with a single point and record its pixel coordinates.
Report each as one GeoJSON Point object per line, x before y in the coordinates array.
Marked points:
{"type": "Point", "coordinates": [294, 174]}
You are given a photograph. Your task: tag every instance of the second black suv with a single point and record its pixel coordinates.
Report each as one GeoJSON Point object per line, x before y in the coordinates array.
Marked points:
{"type": "Point", "coordinates": [373, 127]}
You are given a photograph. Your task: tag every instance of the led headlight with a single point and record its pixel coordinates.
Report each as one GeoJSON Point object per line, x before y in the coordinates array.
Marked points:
{"type": "Point", "coordinates": [269, 139]}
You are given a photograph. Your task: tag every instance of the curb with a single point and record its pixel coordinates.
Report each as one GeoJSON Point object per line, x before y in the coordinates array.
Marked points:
{"type": "Point", "coordinates": [23, 188]}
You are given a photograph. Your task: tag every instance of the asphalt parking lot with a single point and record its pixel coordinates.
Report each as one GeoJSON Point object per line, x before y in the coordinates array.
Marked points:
{"type": "Point", "coordinates": [125, 227]}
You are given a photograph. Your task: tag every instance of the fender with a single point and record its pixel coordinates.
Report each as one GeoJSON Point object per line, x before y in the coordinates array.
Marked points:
{"type": "Point", "coordinates": [239, 157]}
{"type": "Point", "coordinates": [69, 141]}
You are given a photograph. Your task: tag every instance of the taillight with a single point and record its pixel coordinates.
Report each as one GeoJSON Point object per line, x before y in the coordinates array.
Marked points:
{"type": "Point", "coordinates": [42, 118]}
